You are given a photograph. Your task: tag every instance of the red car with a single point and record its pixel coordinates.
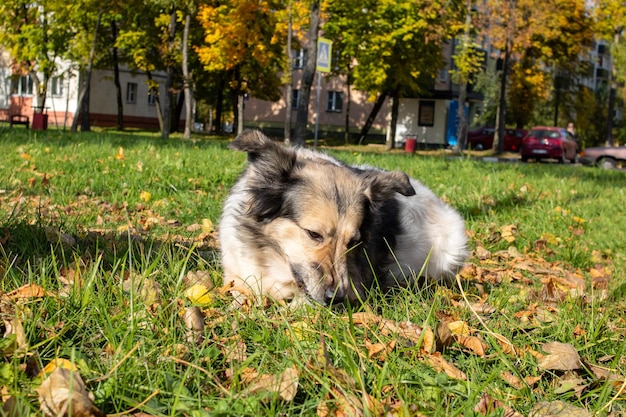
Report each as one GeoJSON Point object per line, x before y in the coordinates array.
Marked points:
{"type": "Point", "coordinates": [544, 142]}
{"type": "Point", "coordinates": [482, 138]}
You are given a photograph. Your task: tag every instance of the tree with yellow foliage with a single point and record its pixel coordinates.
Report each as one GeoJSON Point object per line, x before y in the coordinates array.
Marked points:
{"type": "Point", "coordinates": [243, 39]}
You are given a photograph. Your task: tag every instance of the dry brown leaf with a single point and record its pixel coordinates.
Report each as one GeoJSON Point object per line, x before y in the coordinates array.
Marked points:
{"type": "Point", "coordinates": [5, 237]}
{"type": "Point", "coordinates": [605, 374]}
{"type": "Point", "coordinates": [13, 329]}
{"type": "Point", "coordinates": [194, 319]}
{"type": "Point", "coordinates": [285, 384]}
{"type": "Point", "coordinates": [512, 380]}
{"type": "Point", "coordinates": [487, 405]}
{"type": "Point", "coordinates": [63, 393]}
{"type": "Point", "coordinates": [508, 233]}
{"type": "Point", "coordinates": [507, 347]}
{"type": "Point", "coordinates": [429, 343]}
{"type": "Point", "coordinates": [600, 277]}
{"type": "Point", "coordinates": [557, 409]}
{"type": "Point", "coordinates": [444, 336]}
{"type": "Point", "coordinates": [482, 308]}
{"type": "Point", "coordinates": [339, 403]}
{"type": "Point", "coordinates": [199, 277]}
{"type": "Point", "coordinates": [482, 253]}
{"type": "Point", "coordinates": [561, 357]}
{"type": "Point", "coordinates": [235, 351]}
{"type": "Point", "coordinates": [472, 343]}
{"type": "Point", "coordinates": [579, 331]}
{"type": "Point", "coordinates": [26, 291]}
{"type": "Point", "coordinates": [379, 350]}
{"type": "Point", "coordinates": [436, 361]}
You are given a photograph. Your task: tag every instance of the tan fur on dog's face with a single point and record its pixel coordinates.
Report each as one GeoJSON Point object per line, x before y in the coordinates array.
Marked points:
{"type": "Point", "coordinates": [322, 229]}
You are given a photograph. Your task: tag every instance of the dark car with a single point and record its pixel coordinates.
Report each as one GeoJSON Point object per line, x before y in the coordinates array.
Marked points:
{"type": "Point", "coordinates": [482, 138]}
{"type": "Point", "coordinates": [545, 142]}
{"type": "Point", "coordinates": [605, 157]}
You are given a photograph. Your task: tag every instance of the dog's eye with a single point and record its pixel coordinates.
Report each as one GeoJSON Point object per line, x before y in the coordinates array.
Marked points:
{"type": "Point", "coordinates": [314, 235]}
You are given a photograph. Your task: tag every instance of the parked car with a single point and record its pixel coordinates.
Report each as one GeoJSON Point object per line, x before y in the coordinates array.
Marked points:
{"type": "Point", "coordinates": [605, 157]}
{"type": "Point", "coordinates": [544, 142]}
{"type": "Point", "coordinates": [482, 138]}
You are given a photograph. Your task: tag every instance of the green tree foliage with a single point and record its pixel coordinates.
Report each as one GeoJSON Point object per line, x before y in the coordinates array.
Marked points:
{"type": "Point", "coordinates": [395, 46]}
{"type": "Point", "coordinates": [36, 35]}
{"type": "Point", "coordinates": [242, 39]}
{"type": "Point", "coordinates": [549, 36]}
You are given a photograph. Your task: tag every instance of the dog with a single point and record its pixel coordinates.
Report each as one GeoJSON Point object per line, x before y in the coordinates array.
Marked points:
{"type": "Point", "coordinates": [300, 225]}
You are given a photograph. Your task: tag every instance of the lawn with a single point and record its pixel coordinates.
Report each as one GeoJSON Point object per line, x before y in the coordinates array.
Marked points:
{"type": "Point", "coordinates": [112, 303]}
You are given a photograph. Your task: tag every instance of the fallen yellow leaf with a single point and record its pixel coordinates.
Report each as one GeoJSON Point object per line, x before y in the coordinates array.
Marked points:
{"type": "Point", "coordinates": [207, 225]}
{"type": "Point", "coordinates": [198, 294]}
{"type": "Point", "coordinates": [145, 196]}
{"type": "Point", "coordinates": [58, 363]}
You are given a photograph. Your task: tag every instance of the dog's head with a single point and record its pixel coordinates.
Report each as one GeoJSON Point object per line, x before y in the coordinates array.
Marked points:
{"type": "Point", "coordinates": [322, 216]}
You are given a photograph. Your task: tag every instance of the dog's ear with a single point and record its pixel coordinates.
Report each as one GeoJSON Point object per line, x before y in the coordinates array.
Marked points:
{"type": "Point", "coordinates": [384, 184]}
{"type": "Point", "coordinates": [270, 167]}
{"type": "Point", "coordinates": [270, 159]}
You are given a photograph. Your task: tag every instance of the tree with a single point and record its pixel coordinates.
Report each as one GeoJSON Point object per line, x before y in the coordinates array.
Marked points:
{"type": "Point", "coordinates": [468, 61]}
{"type": "Point", "coordinates": [302, 115]}
{"type": "Point", "coordinates": [396, 46]}
{"type": "Point", "coordinates": [553, 34]}
{"type": "Point", "coordinates": [242, 42]}
{"type": "Point", "coordinates": [83, 101]}
{"type": "Point", "coordinates": [36, 35]}
{"type": "Point", "coordinates": [610, 18]}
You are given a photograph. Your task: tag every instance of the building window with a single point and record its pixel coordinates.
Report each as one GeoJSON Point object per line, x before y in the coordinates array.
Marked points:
{"type": "Point", "coordinates": [131, 93]}
{"type": "Point", "coordinates": [299, 59]}
{"type": "Point", "coordinates": [443, 75]}
{"type": "Point", "coordinates": [295, 98]}
{"type": "Point", "coordinates": [152, 97]}
{"type": "Point", "coordinates": [21, 85]}
{"type": "Point", "coordinates": [334, 102]}
{"type": "Point", "coordinates": [426, 116]}
{"type": "Point", "coordinates": [56, 86]}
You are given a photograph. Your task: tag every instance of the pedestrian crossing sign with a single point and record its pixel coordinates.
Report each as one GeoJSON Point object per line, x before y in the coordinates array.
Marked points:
{"type": "Point", "coordinates": [324, 57]}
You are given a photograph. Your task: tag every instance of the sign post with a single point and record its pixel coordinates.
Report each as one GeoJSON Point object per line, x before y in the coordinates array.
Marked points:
{"type": "Point", "coordinates": [324, 59]}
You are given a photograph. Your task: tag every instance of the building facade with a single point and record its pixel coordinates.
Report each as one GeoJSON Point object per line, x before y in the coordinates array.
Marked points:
{"type": "Point", "coordinates": [18, 96]}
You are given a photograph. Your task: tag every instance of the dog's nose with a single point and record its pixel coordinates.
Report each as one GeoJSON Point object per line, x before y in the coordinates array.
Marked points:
{"type": "Point", "coordinates": [334, 295]}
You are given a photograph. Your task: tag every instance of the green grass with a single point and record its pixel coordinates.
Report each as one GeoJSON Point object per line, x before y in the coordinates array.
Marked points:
{"type": "Point", "coordinates": [119, 216]}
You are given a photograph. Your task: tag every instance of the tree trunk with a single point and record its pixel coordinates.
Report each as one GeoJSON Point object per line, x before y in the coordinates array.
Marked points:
{"type": "Point", "coordinates": [498, 139]}
{"type": "Point", "coordinates": [187, 80]}
{"type": "Point", "coordinates": [84, 96]}
{"type": "Point", "coordinates": [289, 81]}
{"type": "Point", "coordinates": [169, 81]}
{"type": "Point", "coordinates": [395, 106]}
{"type": "Point", "coordinates": [461, 129]}
{"type": "Point", "coordinates": [154, 89]}
{"type": "Point", "coordinates": [178, 111]}
{"type": "Point", "coordinates": [234, 101]}
{"type": "Point", "coordinates": [116, 79]}
{"type": "Point", "coordinates": [240, 107]}
{"type": "Point", "coordinates": [219, 107]}
{"type": "Point", "coordinates": [370, 119]}
{"type": "Point", "coordinates": [346, 133]}
{"type": "Point", "coordinates": [85, 125]}
{"type": "Point", "coordinates": [302, 117]}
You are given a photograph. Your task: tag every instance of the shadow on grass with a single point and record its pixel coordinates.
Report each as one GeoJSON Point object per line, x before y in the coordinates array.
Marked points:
{"type": "Point", "coordinates": [23, 246]}
{"type": "Point", "coordinates": [111, 138]}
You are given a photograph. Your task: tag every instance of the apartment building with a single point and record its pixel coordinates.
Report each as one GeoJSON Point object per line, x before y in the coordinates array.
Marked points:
{"type": "Point", "coordinates": [18, 96]}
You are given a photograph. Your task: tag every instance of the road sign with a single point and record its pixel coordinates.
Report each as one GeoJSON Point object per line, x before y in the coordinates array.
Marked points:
{"type": "Point", "coordinates": [324, 57]}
